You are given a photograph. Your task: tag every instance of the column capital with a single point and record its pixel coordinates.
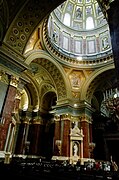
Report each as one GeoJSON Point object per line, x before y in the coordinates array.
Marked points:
{"type": "Point", "coordinates": [25, 116]}
{"type": "Point", "coordinates": [14, 81]}
{"type": "Point", "coordinates": [85, 118]}
{"type": "Point", "coordinates": [66, 116]}
{"type": "Point", "coordinates": [37, 119]}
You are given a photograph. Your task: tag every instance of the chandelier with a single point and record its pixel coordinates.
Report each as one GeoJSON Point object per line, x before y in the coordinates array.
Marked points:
{"type": "Point", "coordinates": [111, 100]}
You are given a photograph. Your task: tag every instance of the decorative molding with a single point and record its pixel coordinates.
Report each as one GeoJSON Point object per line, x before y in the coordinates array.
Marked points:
{"type": "Point", "coordinates": [26, 20]}
{"type": "Point", "coordinates": [93, 61]}
{"type": "Point", "coordinates": [14, 81]}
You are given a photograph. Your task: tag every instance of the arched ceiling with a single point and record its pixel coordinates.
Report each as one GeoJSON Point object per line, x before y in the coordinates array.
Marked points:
{"type": "Point", "coordinates": [19, 19]}
{"type": "Point", "coordinates": [75, 13]}
{"type": "Point", "coordinates": [78, 29]}
{"type": "Point", "coordinates": [104, 81]}
{"type": "Point", "coordinates": [23, 20]}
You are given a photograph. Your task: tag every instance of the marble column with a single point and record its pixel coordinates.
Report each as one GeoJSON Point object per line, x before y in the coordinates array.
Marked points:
{"type": "Point", "coordinates": [8, 109]}
{"type": "Point", "coordinates": [57, 136]}
{"type": "Point", "coordinates": [85, 127]}
{"type": "Point", "coordinates": [10, 138]}
{"type": "Point", "coordinates": [22, 134]}
{"type": "Point", "coordinates": [65, 131]}
{"type": "Point", "coordinates": [36, 136]}
{"type": "Point", "coordinates": [16, 104]}
{"type": "Point", "coordinates": [90, 132]}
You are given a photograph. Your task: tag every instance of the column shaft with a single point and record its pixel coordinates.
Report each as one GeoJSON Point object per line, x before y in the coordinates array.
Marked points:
{"type": "Point", "coordinates": [36, 138]}
{"type": "Point", "coordinates": [57, 138]}
{"type": "Point", "coordinates": [21, 139]}
{"type": "Point", "coordinates": [85, 127]}
{"type": "Point", "coordinates": [6, 115]}
{"type": "Point", "coordinates": [65, 137]}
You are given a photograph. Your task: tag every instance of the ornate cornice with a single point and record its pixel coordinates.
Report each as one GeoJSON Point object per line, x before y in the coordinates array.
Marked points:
{"type": "Point", "coordinates": [14, 81]}
{"type": "Point", "coordinates": [92, 62]}
{"type": "Point", "coordinates": [12, 60]}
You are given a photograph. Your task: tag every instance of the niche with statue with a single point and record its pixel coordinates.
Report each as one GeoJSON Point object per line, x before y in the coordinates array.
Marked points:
{"type": "Point", "coordinates": [76, 144]}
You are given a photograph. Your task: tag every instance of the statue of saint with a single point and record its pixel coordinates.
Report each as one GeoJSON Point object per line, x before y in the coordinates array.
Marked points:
{"type": "Point", "coordinates": [75, 148]}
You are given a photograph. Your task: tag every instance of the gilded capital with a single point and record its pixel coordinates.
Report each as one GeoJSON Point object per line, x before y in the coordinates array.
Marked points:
{"type": "Point", "coordinates": [14, 81]}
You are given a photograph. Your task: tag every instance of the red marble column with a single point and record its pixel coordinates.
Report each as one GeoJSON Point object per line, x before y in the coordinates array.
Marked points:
{"type": "Point", "coordinates": [90, 132]}
{"type": "Point", "coordinates": [57, 137]}
{"type": "Point", "coordinates": [7, 111]}
{"type": "Point", "coordinates": [22, 137]}
{"type": "Point", "coordinates": [85, 127]}
{"type": "Point", "coordinates": [65, 131]}
{"type": "Point", "coordinates": [36, 137]}
{"type": "Point", "coordinates": [17, 102]}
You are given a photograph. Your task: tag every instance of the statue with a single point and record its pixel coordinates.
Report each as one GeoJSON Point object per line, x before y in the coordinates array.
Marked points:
{"type": "Point", "coordinates": [75, 148]}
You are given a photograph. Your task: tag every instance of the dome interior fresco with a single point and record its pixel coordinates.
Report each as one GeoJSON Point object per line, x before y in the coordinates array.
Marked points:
{"type": "Point", "coordinates": [79, 29]}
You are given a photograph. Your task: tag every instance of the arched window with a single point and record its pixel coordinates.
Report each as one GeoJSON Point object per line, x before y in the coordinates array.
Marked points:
{"type": "Point", "coordinates": [67, 19]}
{"type": "Point", "coordinates": [89, 23]}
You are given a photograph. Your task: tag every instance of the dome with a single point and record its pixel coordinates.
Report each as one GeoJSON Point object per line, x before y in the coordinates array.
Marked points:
{"type": "Point", "coordinates": [78, 28]}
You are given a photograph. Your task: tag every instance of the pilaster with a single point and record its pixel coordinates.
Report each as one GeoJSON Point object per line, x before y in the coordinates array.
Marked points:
{"type": "Point", "coordinates": [7, 108]}
{"type": "Point", "coordinates": [57, 136]}
{"type": "Point", "coordinates": [35, 136]}
{"type": "Point", "coordinates": [85, 127]}
{"type": "Point", "coordinates": [65, 131]}
{"type": "Point", "coordinates": [23, 130]}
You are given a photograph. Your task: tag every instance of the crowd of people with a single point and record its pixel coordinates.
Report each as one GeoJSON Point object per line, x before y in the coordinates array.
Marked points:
{"type": "Point", "coordinates": [61, 169]}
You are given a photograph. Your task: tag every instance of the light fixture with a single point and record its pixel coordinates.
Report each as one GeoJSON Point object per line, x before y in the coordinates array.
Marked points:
{"type": "Point", "coordinates": [111, 99]}
{"type": "Point", "coordinates": [75, 105]}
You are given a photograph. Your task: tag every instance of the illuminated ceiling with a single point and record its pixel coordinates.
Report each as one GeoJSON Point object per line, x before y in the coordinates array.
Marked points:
{"type": "Point", "coordinates": [78, 28]}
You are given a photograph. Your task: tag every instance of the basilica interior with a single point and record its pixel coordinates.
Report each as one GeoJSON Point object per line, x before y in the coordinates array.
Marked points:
{"type": "Point", "coordinates": [59, 80]}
